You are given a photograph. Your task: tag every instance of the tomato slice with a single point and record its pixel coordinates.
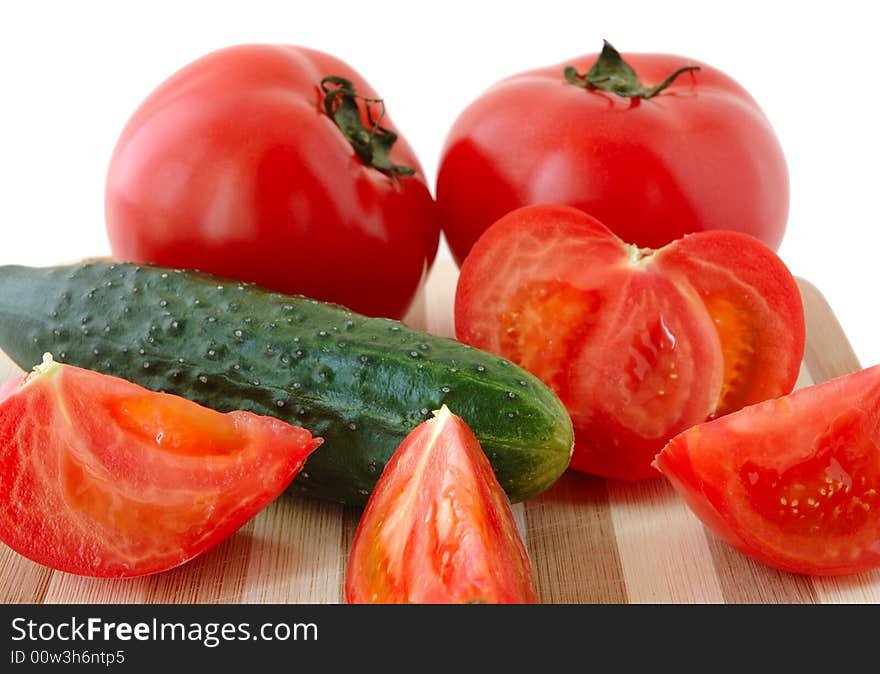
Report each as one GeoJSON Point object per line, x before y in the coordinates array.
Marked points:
{"type": "Point", "coordinates": [639, 344]}
{"type": "Point", "coordinates": [753, 305]}
{"type": "Point", "coordinates": [101, 477]}
{"type": "Point", "coordinates": [438, 528]}
{"type": "Point", "coordinates": [792, 482]}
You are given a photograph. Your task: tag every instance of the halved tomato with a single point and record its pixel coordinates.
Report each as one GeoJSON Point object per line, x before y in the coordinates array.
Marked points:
{"type": "Point", "coordinates": [639, 344]}
{"type": "Point", "coordinates": [101, 477]}
{"type": "Point", "coordinates": [792, 482]}
{"type": "Point", "coordinates": [438, 528]}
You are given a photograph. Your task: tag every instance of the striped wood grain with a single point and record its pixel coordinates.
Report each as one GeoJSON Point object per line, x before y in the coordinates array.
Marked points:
{"type": "Point", "coordinates": [590, 540]}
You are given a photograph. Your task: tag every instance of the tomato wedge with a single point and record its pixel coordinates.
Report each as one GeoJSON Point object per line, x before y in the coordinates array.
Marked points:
{"type": "Point", "coordinates": [101, 477]}
{"type": "Point", "coordinates": [438, 528]}
{"type": "Point", "coordinates": [792, 482]}
{"type": "Point", "coordinates": [639, 344]}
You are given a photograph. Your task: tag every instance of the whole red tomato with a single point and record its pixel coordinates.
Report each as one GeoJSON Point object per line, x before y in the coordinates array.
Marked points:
{"type": "Point", "coordinates": [693, 152]}
{"type": "Point", "coordinates": [274, 164]}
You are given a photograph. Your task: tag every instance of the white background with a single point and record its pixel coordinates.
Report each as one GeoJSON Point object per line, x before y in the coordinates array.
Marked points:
{"type": "Point", "coordinates": [72, 73]}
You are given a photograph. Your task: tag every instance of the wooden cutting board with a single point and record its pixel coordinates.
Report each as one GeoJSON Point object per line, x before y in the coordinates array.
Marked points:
{"type": "Point", "coordinates": [590, 540]}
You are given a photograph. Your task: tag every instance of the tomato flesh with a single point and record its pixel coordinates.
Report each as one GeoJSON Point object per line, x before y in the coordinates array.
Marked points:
{"type": "Point", "coordinates": [438, 527]}
{"type": "Point", "coordinates": [792, 482]}
{"type": "Point", "coordinates": [541, 346]}
{"type": "Point", "coordinates": [737, 347]}
{"type": "Point", "coordinates": [639, 344]}
{"type": "Point", "coordinates": [828, 493]}
{"type": "Point", "coordinates": [101, 477]}
{"type": "Point", "coordinates": [650, 374]}
{"type": "Point", "coordinates": [755, 307]}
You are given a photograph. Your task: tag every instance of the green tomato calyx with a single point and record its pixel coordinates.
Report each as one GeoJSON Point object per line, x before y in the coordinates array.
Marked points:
{"type": "Point", "coordinates": [372, 142]}
{"type": "Point", "coordinates": [612, 74]}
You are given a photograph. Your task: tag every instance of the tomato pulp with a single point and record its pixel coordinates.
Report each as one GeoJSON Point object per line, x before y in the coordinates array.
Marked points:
{"type": "Point", "coordinates": [653, 164]}
{"type": "Point", "coordinates": [639, 344]}
{"type": "Point", "coordinates": [101, 477]}
{"type": "Point", "coordinates": [792, 482]}
{"type": "Point", "coordinates": [438, 527]}
{"type": "Point", "coordinates": [278, 165]}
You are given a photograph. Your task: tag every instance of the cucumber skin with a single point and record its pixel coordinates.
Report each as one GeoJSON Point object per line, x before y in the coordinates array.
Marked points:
{"type": "Point", "coordinates": [360, 383]}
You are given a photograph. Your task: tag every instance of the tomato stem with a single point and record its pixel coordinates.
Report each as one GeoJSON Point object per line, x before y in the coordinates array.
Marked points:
{"type": "Point", "coordinates": [612, 74]}
{"type": "Point", "coordinates": [371, 144]}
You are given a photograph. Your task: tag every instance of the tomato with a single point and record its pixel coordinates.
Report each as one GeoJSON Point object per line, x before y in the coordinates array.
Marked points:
{"type": "Point", "coordinates": [438, 528]}
{"type": "Point", "coordinates": [100, 477]}
{"type": "Point", "coordinates": [651, 163]}
{"type": "Point", "coordinates": [639, 344]}
{"type": "Point", "coordinates": [235, 166]}
{"type": "Point", "coordinates": [792, 482]}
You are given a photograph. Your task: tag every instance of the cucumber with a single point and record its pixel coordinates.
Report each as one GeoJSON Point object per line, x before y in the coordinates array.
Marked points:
{"type": "Point", "coordinates": [360, 383]}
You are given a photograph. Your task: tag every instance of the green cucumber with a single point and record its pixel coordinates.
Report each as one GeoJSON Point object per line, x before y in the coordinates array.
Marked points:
{"type": "Point", "coordinates": [360, 383]}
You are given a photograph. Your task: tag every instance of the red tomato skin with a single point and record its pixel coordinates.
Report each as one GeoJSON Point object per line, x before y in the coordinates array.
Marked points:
{"type": "Point", "coordinates": [103, 478]}
{"type": "Point", "coordinates": [794, 434]}
{"type": "Point", "coordinates": [232, 166]}
{"type": "Point", "coordinates": [669, 305]}
{"type": "Point", "coordinates": [701, 155]}
{"type": "Point", "coordinates": [438, 528]}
